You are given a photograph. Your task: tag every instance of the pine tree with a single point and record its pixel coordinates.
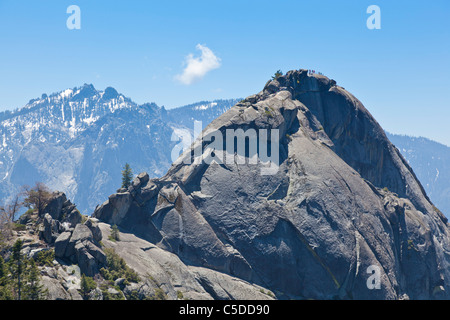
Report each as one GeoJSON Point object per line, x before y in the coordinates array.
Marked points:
{"type": "Point", "coordinates": [34, 290]}
{"type": "Point", "coordinates": [5, 290]}
{"type": "Point", "coordinates": [87, 285]}
{"type": "Point", "coordinates": [114, 233]}
{"type": "Point", "coordinates": [127, 176]}
{"type": "Point", "coordinates": [277, 74]}
{"type": "Point", "coordinates": [37, 197]}
{"type": "Point", "coordinates": [17, 267]}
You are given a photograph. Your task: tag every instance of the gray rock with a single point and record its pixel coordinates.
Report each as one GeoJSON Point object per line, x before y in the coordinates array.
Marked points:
{"type": "Point", "coordinates": [61, 244]}
{"type": "Point", "coordinates": [96, 294]}
{"type": "Point", "coordinates": [80, 249]}
{"type": "Point", "coordinates": [55, 205]}
{"type": "Point", "coordinates": [160, 269]}
{"type": "Point", "coordinates": [316, 226]}
{"type": "Point", "coordinates": [86, 260]}
{"type": "Point", "coordinates": [55, 291]}
{"type": "Point", "coordinates": [52, 228]}
{"type": "Point", "coordinates": [92, 224]}
{"type": "Point", "coordinates": [81, 233]}
{"type": "Point", "coordinates": [74, 294]}
{"type": "Point", "coordinates": [47, 233]}
{"type": "Point", "coordinates": [120, 282]}
{"type": "Point", "coordinates": [73, 218]}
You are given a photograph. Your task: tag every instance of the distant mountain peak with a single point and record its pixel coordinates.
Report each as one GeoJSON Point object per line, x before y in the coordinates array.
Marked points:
{"type": "Point", "coordinates": [110, 93]}
{"type": "Point", "coordinates": [86, 91]}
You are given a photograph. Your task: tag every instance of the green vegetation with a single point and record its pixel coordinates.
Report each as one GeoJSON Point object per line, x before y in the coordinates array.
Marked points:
{"type": "Point", "coordinates": [5, 285]}
{"type": "Point", "coordinates": [37, 197]}
{"type": "Point", "coordinates": [180, 295]}
{"type": "Point", "coordinates": [19, 277]}
{"type": "Point", "coordinates": [87, 285]}
{"type": "Point", "coordinates": [45, 257]}
{"type": "Point", "coordinates": [117, 268]}
{"type": "Point", "coordinates": [114, 236]}
{"type": "Point", "coordinates": [268, 112]}
{"type": "Point", "coordinates": [29, 212]}
{"type": "Point", "coordinates": [16, 267]}
{"type": "Point", "coordinates": [34, 290]}
{"type": "Point", "coordinates": [277, 74]}
{"type": "Point", "coordinates": [269, 293]}
{"type": "Point", "coordinates": [18, 227]}
{"type": "Point", "coordinates": [107, 294]}
{"type": "Point", "coordinates": [411, 245]}
{"type": "Point", "coordinates": [127, 176]}
{"type": "Point", "coordinates": [159, 295]}
{"type": "Point", "coordinates": [84, 218]}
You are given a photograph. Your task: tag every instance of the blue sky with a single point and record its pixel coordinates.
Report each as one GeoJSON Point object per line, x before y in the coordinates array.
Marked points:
{"type": "Point", "coordinates": [400, 73]}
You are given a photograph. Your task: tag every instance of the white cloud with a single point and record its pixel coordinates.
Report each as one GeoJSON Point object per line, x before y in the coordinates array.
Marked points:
{"type": "Point", "coordinates": [197, 68]}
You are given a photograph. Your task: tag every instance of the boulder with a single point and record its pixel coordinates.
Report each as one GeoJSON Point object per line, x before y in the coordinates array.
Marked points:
{"type": "Point", "coordinates": [55, 205]}
{"type": "Point", "coordinates": [87, 263]}
{"type": "Point", "coordinates": [73, 218]}
{"type": "Point", "coordinates": [55, 290]}
{"type": "Point", "coordinates": [81, 233]}
{"type": "Point", "coordinates": [92, 224]}
{"type": "Point", "coordinates": [61, 244]}
{"type": "Point", "coordinates": [51, 230]}
{"type": "Point", "coordinates": [78, 247]}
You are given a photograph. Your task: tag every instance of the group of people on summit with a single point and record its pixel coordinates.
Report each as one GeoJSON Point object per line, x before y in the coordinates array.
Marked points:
{"type": "Point", "coordinates": [310, 72]}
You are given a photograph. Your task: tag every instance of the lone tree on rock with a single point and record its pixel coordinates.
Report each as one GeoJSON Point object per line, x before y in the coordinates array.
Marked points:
{"type": "Point", "coordinates": [37, 197]}
{"type": "Point", "coordinates": [127, 176]}
{"type": "Point", "coordinates": [277, 74]}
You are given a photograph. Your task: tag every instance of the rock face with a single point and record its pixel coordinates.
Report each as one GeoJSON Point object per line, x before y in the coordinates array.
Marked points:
{"type": "Point", "coordinates": [63, 210]}
{"type": "Point", "coordinates": [431, 163]}
{"type": "Point", "coordinates": [342, 203]}
{"type": "Point", "coordinates": [163, 270]}
{"type": "Point", "coordinates": [80, 247]}
{"type": "Point", "coordinates": [73, 241]}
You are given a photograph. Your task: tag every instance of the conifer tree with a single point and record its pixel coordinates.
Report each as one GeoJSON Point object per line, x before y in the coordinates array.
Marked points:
{"type": "Point", "coordinates": [37, 197]}
{"type": "Point", "coordinates": [277, 74]}
{"type": "Point", "coordinates": [5, 290]}
{"type": "Point", "coordinates": [127, 176]}
{"type": "Point", "coordinates": [87, 285]}
{"type": "Point", "coordinates": [17, 268]}
{"type": "Point", "coordinates": [34, 290]}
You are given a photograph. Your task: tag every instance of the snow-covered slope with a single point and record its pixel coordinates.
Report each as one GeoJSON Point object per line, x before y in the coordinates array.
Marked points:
{"type": "Point", "coordinates": [431, 163]}
{"type": "Point", "coordinates": [78, 140]}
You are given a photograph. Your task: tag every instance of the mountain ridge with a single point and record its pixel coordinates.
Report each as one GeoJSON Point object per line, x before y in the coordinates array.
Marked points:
{"type": "Point", "coordinates": [342, 201]}
{"type": "Point", "coordinates": [58, 138]}
{"type": "Point", "coordinates": [180, 119]}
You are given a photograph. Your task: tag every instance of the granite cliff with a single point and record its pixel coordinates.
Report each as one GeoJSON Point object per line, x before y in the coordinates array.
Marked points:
{"type": "Point", "coordinates": [343, 201]}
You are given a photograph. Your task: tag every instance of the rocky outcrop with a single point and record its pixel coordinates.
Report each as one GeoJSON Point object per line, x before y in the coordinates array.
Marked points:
{"type": "Point", "coordinates": [80, 247]}
{"type": "Point", "coordinates": [342, 202]}
{"type": "Point", "coordinates": [63, 210]}
{"type": "Point", "coordinates": [162, 270]}
{"type": "Point", "coordinates": [73, 241]}
{"type": "Point", "coordinates": [140, 269]}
